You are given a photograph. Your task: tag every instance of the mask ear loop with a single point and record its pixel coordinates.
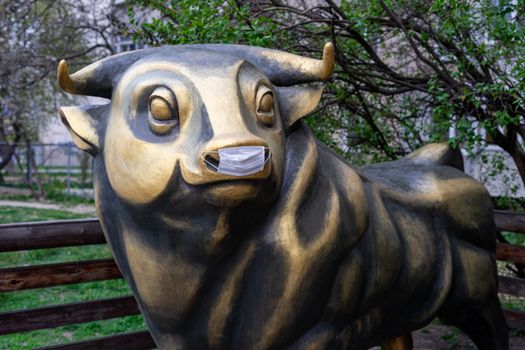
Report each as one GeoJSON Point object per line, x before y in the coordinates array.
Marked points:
{"type": "Point", "coordinates": [269, 154]}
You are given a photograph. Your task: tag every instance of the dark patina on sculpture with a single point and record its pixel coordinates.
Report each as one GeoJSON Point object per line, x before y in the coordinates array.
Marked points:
{"type": "Point", "coordinates": [237, 229]}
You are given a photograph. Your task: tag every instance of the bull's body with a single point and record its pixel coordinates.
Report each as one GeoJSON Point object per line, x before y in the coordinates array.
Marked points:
{"type": "Point", "coordinates": [316, 268]}
{"type": "Point", "coordinates": [308, 253]}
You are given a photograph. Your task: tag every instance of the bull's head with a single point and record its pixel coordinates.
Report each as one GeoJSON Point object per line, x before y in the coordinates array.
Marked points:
{"type": "Point", "coordinates": [182, 107]}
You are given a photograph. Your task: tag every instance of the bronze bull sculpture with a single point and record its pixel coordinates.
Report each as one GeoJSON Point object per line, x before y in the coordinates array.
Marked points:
{"type": "Point", "coordinates": [236, 229]}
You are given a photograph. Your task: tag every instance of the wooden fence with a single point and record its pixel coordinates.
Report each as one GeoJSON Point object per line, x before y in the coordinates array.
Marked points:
{"type": "Point", "coordinates": [511, 222]}
{"type": "Point", "coordinates": [26, 236]}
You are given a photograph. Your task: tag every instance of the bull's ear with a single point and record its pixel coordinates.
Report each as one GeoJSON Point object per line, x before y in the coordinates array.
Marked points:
{"type": "Point", "coordinates": [82, 123]}
{"type": "Point", "coordinates": [297, 102]}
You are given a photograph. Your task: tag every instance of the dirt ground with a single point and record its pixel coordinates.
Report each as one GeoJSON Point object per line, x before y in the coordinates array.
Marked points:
{"type": "Point", "coordinates": [439, 337]}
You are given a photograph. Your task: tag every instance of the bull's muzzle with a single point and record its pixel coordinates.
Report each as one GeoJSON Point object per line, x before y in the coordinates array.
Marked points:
{"type": "Point", "coordinates": [237, 161]}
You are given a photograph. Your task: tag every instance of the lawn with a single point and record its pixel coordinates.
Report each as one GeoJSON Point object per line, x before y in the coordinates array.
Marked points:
{"type": "Point", "coordinates": [20, 214]}
{"type": "Point", "coordinates": [62, 294]}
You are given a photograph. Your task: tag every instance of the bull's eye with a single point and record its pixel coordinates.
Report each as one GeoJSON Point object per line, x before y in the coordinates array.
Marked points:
{"type": "Point", "coordinates": [264, 99]}
{"type": "Point", "coordinates": [163, 110]}
{"type": "Point", "coordinates": [266, 104]}
{"type": "Point", "coordinates": [160, 109]}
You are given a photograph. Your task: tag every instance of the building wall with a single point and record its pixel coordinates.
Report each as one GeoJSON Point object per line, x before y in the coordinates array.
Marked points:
{"type": "Point", "coordinates": [503, 181]}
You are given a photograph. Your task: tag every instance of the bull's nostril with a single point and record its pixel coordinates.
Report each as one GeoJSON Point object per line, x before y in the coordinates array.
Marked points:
{"type": "Point", "coordinates": [212, 161]}
{"type": "Point", "coordinates": [215, 156]}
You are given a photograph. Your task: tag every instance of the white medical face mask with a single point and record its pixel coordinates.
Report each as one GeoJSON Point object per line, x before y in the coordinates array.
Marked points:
{"type": "Point", "coordinates": [240, 161]}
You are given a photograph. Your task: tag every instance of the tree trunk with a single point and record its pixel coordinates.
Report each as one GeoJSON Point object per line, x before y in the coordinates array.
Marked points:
{"type": "Point", "coordinates": [6, 149]}
{"type": "Point", "coordinates": [519, 160]}
{"type": "Point", "coordinates": [33, 174]}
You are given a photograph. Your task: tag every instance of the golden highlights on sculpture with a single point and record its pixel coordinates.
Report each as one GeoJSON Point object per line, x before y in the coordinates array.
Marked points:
{"type": "Point", "coordinates": [237, 229]}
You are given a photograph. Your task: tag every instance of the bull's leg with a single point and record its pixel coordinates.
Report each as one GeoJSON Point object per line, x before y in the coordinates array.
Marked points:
{"type": "Point", "coordinates": [473, 305]}
{"type": "Point", "coordinates": [486, 327]}
{"type": "Point", "coordinates": [403, 342]}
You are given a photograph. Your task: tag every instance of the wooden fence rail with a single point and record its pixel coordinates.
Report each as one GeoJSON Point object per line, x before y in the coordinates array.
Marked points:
{"type": "Point", "coordinates": [126, 341]}
{"type": "Point", "coordinates": [50, 234]}
{"type": "Point", "coordinates": [510, 221]}
{"type": "Point", "coordinates": [512, 286]}
{"type": "Point", "coordinates": [27, 236]}
{"type": "Point", "coordinates": [50, 275]}
{"type": "Point", "coordinates": [61, 315]}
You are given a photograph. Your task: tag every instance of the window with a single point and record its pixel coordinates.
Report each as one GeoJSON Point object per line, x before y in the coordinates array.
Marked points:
{"type": "Point", "coordinates": [124, 43]}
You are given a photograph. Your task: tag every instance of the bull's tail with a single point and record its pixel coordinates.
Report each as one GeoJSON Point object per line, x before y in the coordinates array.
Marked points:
{"type": "Point", "coordinates": [437, 154]}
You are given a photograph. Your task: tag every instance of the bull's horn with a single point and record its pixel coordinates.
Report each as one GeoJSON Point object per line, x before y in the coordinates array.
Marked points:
{"type": "Point", "coordinates": [79, 83]}
{"type": "Point", "coordinates": [328, 61]}
{"type": "Point", "coordinates": [97, 78]}
{"type": "Point", "coordinates": [64, 79]}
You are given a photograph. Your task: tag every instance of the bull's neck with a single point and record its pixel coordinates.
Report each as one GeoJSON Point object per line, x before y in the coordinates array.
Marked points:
{"type": "Point", "coordinates": [301, 168]}
{"type": "Point", "coordinates": [212, 231]}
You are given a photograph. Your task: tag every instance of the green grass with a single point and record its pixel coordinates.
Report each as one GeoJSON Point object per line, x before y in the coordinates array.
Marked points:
{"type": "Point", "coordinates": [508, 203]}
{"type": "Point", "coordinates": [512, 302]}
{"type": "Point", "coordinates": [28, 299]}
{"type": "Point", "coordinates": [54, 187]}
{"type": "Point", "coordinates": [451, 336]}
{"type": "Point", "coordinates": [20, 214]}
{"type": "Point", "coordinates": [54, 255]}
{"type": "Point", "coordinates": [16, 197]}
{"type": "Point", "coordinates": [56, 198]}
{"type": "Point", "coordinates": [514, 238]}
{"type": "Point", "coordinates": [67, 334]}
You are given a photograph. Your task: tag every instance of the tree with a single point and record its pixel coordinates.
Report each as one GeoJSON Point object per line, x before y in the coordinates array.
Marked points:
{"type": "Point", "coordinates": [408, 71]}
{"type": "Point", "coordinates": [34, 35]}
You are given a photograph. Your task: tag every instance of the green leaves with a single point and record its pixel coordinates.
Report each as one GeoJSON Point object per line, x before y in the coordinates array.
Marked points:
{"type": "Point", "coordinates": [409, 71]}
{"type": "Point", "coordinates": [194, 22]}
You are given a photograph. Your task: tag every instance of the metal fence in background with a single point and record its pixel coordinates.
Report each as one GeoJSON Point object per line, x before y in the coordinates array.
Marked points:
{"type": "Point", "coordinates": [33, 163]}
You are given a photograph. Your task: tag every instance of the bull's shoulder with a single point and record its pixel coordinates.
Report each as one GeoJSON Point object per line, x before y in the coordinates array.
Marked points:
{"type": "Point", "coordinates": [423, 170]}
{"type": "Point", "coordinates": [427, 157]}
{"type": "Point", "coordinates": [431, 180]}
